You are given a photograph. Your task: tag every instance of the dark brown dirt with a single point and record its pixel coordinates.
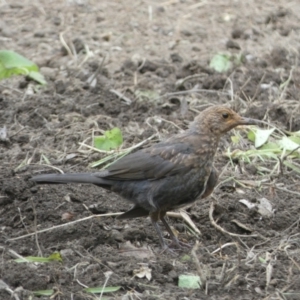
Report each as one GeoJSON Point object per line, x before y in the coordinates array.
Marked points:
{"type": "Point", "coordinates": [143, 51]}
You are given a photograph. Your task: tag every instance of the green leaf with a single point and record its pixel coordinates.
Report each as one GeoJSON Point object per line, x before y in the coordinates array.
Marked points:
{"type": "Point", "coordinates": [53, 257]}
{"type": "Point", "coordinates": [111, 139]}
{"type": "Point", "coordinates": [262, 260]}
{"type": "Point", "coordinates": [235, 139]}
{"type": "Point", "coordinates": [38, 77]}
{"type": "Point", "coordinates": [295, 139]}
{"type": "Point", "coordinates": [43, 292]}
{"type": "Point", "coordinates": [287, 143]}
{"type": "Point", "coordinates": [251, 136]}
{"type": "Point", "coordinates": [221, 63]}
{"type": "Point", "coordinates": [185, 258]}
{"type": "Point", "coordinates": [12, 63]}
{"type": "Point", "coordinates": [146, 94]}
{"type": "Point", "coordinates": [261, 136]}
{"type": "Point", "coordinates": [189, 281]}
{"type": "Point", "coordinates": [295, 133]}
{"type": "Point", "coordinates": [101, 289]}
{"type": "Point", "coordinates": [272, 147]}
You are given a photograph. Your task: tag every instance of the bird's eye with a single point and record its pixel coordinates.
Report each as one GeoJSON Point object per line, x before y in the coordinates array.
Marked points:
{"type": "Point", "coordinates": [225, 115]}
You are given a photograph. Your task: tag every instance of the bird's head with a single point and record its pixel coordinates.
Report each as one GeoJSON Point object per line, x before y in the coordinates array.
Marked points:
{"type": "Point", "coordinates": [220, 119]}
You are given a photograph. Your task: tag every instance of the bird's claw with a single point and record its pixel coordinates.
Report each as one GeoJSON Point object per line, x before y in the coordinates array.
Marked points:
{"type": "Point", "coordinates": [180, 245]}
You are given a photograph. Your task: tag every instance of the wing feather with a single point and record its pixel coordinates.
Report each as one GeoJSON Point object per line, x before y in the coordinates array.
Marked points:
{"type": "Point", "coordinates": [162, 160]}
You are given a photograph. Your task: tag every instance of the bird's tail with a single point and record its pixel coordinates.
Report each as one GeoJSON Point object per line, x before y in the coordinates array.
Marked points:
{"type": "Point", "coordinates": [71, 178]}
{"type": "Point", "coordinates": [134, 212]}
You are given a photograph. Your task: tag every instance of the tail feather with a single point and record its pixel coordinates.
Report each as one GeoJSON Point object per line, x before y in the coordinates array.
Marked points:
{"type": "Point", "coordinates": [134, 212]}
{"type": "Point", "coordinates": [71, 178]}
{"type": "Point", "coordinates": [91, 178]}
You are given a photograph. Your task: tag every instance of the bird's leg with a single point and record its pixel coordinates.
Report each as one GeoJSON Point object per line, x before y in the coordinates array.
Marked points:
{"type": "Point", "coordinates": [160, 215]}
{"type": "Point", "coordinates": [154, 219]}
{"type": "Point", "coordinates": [175, 240]}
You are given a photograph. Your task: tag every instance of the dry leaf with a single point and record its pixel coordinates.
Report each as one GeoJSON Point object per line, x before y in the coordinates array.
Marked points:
{"type": "Point", "coordinates": [265, 207]}
{"type": "Point", "coordinates": [249, 204]}
{"type": "Point", "coordinates": [142, 272]}
{"type": "Point", "coordinates": [241, 225]}
{"type": "Point", "coordinates": [67, 216]}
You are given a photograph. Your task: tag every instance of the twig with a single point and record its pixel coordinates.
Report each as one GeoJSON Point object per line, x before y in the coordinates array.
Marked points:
{"type": "Point", "coordinates": [281, 160]}
{"type": "Point", "coordinates": [40, 253]}
{"type": "Point", "coordinates": [224, 246]}
{"type": "Point", "coordinates": [286, 190]}
{"type": "Point", "coordinates": [180, 82]}
{"type": "Point", "coordinates": [218, 227]}
{"type": "Point", "coordinates": [199, 266]}
{"type": "Point", "coordinates": [63, 225]}
{"type": "Point", "coordinates": [6, 287]}
{"type": "Point", "coordinates": [121, 96]}
{"type": "Point", "coordinates": [182, 214]}
{"type": "Point", "coordinates": [88, 218]}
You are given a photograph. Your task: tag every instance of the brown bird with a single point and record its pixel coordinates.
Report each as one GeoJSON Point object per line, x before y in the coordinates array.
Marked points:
{"type": "Point", "coordinates": [167, 175]}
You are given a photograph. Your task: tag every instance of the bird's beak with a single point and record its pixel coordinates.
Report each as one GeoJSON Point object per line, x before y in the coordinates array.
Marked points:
{"type": "Point", "coordinates": [248, 121]}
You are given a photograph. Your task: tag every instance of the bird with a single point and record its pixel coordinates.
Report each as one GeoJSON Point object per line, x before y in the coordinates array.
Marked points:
{"type": "Point", "coordinates": [166, 175]}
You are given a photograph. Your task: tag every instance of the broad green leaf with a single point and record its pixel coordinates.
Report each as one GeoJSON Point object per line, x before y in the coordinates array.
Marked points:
{"type": "Point", "coordinates": [54, 256]}
{"type": "Point", "coordinates": [272, 147]}
{"type": "Point", "coordinates": [261, 136]}
{"type": "Point", "coordinates": [295, 133]}
{"type": "Point", "coordinates": [43, 292]}
{"type": "Point", "coordinates": [38, 77]}
{"type": "Point", "coordinates": [295, 139]}
{"type": "Point", "coordinates": [254, 153]}
{"type": "Point", "coordinates": [189, 281]}
{"type": "Point", "coordinates": [111, 139]}
{"type": "Point", "coordinates": [12, 63]}
{"type": "Point", "coordinates": [287, 143]}
{"type": "Point", "coordinates": [221, 63]}
{"type": "Point", "coordinates": [101, 289]}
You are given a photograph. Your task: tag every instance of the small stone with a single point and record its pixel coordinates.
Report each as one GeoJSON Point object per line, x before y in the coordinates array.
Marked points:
{"type": "Point", "coordinates": [232, 45]}
{"type": "Point", "coordinates": [172, 274]}
{"type": "Point", "coordinates": [7, 32]}
{"type": "Point", "coordinates": [237, 33]}
{"type": "Point", "coordinates": [186, 32]}
{"type": "Point", "coordinates": [50, 73]}
{"type": "Point", "coordinates": [57, 21]}
{"type": "Point", "coordinates": [285, 31]}
{"type": "Point", "coordinates": [196, 49]}
{"type": "Point", "coordinates": [60, 87]}
{"type": "Point", "coordinates": [116, 235]}
{"type": "Point", "coordinates": [39, 34]}
{"type": "Point", "coordinates": [78, 44]}
{"type": "Point", "coordinates": [66, 252]}
{"type": "Point", "coordinates": [175, 57]}
{"type": "Point", "coordinates": [100, 19]}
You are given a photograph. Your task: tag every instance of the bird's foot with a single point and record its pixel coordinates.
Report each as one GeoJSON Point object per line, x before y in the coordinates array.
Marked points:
{"type": "Point", "coordinates": [175, 247]}
{"type": "Point", "coordinates": [167, 249]}
{"type": "Point", "coordinates": [176, 243]}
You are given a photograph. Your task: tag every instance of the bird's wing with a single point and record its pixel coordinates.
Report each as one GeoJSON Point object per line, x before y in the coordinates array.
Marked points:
{"type": "Point", "coordinates": [159, 161]}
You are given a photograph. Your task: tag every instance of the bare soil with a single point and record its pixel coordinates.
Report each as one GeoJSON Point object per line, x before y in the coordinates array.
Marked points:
{"type": "Point", "coordinates": [144, 67]}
